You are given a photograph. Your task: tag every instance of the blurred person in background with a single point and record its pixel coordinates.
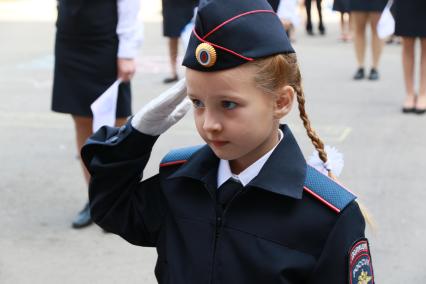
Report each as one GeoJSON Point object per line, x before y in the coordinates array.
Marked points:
{"type": "Point", "coordinates": [96, 43]}
{"type": "Point", "coordinates": [365, 12]}
{"type": "Point", "coordinates": [393, 39]}
{"type": "Point", "coordinates": [410, 24]}
{"type": "Point", "coordinates": [309, 28]}
{"type": "Point", "coordinates": [176, 15]}
{"type": "Point", "coordinates": [288, 13]}
{"type": "Point", "coordinates": [274, 4]}
{"type": "Point", "coordinates": [342, 6]}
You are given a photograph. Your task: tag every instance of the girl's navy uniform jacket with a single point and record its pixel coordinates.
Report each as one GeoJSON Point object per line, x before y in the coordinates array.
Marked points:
{"type": "Point", "coordinates": [290, 224]}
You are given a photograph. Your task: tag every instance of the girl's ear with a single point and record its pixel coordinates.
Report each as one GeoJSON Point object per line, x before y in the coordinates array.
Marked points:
{"type": "Point", "coordinates": [283, 101]}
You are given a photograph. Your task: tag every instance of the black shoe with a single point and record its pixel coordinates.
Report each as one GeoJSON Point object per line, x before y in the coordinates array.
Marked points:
{"type": "Point", "coordinates": [309, 29]}
{"type": "Point", "coordinates": [374, 75]}
{"type": "Point", "coordinates": [408, 109]}
{"type": "Point", "coordinates": [420, 110]}
{"type": "Point", "coordinates": [321, 29]}
{"type": "Point", "coordinates": [83, 219]}
{"type": "Point", "coordinates": [359, 74]}
{"type": "Point", "coordinates": [170, 80]}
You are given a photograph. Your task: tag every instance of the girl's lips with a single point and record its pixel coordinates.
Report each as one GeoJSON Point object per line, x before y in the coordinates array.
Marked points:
{"type": "Point", "coordinates": [218, 143]}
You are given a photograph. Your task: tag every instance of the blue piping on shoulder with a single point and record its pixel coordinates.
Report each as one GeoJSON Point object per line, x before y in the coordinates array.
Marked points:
{"type": "Point", "coordinates": [326, 190]}
{"type": "Point", "coordinates": [179, 156]}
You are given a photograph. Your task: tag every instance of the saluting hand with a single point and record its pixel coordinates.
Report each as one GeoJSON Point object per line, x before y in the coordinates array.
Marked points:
{"type": "Point", "coordinates": [126, 68]}
{"type": "Point", "coordinates": [164, 111]}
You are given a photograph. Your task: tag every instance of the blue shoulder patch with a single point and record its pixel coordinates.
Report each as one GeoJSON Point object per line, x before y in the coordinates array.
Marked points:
{"type": "Point", "coordinates": [179, 156]}
{"type": "Point", "coordinates": [327, 190]}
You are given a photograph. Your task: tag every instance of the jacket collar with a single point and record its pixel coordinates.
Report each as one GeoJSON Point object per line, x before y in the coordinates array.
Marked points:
{"type": "Point", "coordinates": [202, 166]}
{"type": "Point", "coordinates": [284, 173]}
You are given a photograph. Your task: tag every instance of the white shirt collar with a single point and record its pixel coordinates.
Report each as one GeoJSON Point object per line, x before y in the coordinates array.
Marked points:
{"type": "Point", "coordinates": [246, 176]}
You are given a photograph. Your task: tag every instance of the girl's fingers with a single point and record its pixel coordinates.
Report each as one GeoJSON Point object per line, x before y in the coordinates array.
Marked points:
{"type": "Point", "coordinates": [175, 94]}
{"type": "Point", "coordinates": [167, 101]}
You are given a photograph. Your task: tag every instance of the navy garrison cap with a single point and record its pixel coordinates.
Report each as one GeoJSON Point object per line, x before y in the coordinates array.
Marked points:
{"type": "Point", "coordinates": [229, 33]}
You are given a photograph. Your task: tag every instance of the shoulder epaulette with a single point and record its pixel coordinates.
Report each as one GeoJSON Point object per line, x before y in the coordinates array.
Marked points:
{"type": "Point", "coordinates": [179, 156]}
{"type": "Point", "coordinates": [327, 190]}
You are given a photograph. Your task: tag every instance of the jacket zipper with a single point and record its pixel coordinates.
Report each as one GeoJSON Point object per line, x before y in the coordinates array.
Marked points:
{"type": "Point", "coordinates": [218, 225]}
{"type": "Point", "coordinates": [216, 239]}
{"type": "Point", "coordinates": [219, 217]}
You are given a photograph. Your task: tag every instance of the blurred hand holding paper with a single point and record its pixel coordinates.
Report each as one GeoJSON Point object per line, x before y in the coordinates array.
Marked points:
{"type": "Point", "coordinates": [104, 108]}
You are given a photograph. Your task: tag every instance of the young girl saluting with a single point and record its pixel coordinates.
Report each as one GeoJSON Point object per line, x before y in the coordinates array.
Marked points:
{"type": "Point", "coordinates": [245, 207]}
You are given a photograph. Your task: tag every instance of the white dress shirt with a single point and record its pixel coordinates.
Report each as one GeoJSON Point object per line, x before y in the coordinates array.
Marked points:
{"type": "Point", "coordinates": [129, 28]}
{"type": "Point", "coordinates": [246, 176]}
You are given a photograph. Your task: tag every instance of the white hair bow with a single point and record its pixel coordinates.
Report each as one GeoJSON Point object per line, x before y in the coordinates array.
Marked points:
{"type": "Point", "coordinates": [334, 163]}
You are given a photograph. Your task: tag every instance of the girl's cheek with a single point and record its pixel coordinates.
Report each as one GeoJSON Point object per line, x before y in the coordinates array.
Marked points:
{"type": "Point", "coordinates": [198, 121]}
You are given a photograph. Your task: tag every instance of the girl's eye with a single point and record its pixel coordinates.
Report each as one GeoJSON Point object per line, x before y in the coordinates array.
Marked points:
{"type": "Point", "coordinates": [229, 105]}
{"type": "Point", "coordinates": [197, 103]}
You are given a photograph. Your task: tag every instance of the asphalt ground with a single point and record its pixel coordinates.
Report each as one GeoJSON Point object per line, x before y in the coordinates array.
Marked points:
{"type": "Point", "coordinates": [42, 188]}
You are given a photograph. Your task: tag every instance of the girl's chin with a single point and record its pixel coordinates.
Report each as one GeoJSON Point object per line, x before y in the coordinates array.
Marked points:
{"type": "Point", "coordinates": [222, 154]}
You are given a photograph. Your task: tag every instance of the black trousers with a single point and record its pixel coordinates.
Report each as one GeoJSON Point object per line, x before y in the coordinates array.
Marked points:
{"type": "Point", "coordinates": [308, 14]}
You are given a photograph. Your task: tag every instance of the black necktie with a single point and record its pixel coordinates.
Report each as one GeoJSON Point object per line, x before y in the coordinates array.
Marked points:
{"type": "Point", "coordinates": [228, 190]}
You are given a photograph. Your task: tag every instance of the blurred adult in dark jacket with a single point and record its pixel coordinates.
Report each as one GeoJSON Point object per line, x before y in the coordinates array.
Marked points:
{"type": "Point", "coordinates": [96, 43]}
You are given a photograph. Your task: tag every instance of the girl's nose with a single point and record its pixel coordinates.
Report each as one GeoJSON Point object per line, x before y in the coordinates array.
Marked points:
{"type": "Point", "coordinates": [211, 122]}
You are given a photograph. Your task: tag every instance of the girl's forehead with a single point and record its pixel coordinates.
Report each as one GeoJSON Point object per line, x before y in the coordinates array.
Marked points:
{"type": "Point", "coordinates": [225, 87]}
{"type": "Point", "coordinates": [242, 73]}
{"type": "Point", "coordinates": [231, 80]}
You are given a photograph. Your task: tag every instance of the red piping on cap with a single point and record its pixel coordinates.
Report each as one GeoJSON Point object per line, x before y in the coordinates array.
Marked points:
{"type": "Point", "coordinates": [234, 18]}
{"type": "Point", "coordinates": [221, 47]}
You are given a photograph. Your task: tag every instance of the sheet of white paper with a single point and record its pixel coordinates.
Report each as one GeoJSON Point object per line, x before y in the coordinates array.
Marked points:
{"type": "Point", "coordinates": [104, 108]}
{"type": "Point", "coordinates": [288, 10]}
{"type": "Point", "coordinates": [386, 24]}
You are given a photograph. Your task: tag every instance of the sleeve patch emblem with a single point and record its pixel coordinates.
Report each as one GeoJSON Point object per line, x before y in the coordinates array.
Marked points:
{"type": "Point", "coordinates": [360, 266]}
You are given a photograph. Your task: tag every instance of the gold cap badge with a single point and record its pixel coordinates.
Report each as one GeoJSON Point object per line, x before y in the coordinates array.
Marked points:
{"type": "Point", "coordinates": [206, 54]}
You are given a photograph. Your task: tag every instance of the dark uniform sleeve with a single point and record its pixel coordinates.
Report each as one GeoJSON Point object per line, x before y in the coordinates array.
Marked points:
{"type": "Point", "coordinates": [333, 265]}
{"type": "Point", "coordinates": [119, 202]}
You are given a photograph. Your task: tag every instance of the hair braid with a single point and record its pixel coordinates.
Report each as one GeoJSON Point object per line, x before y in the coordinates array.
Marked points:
{"type": "Point", "coordinates": [296, 82]}
{"type": "Point", "coordinates": [270, 78]}
{"type": "Point", "coordinates": [316, 140]}
{"type": "Point", "coordinates": [280, 70]}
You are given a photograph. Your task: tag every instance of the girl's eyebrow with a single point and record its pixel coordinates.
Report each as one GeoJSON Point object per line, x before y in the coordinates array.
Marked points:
{"type": "Point", "coordinates": [224, 96]}
{"type": "Point", "coordinates": [191, 95]}
{"type": "Point", "coordinates": [230, 96]}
